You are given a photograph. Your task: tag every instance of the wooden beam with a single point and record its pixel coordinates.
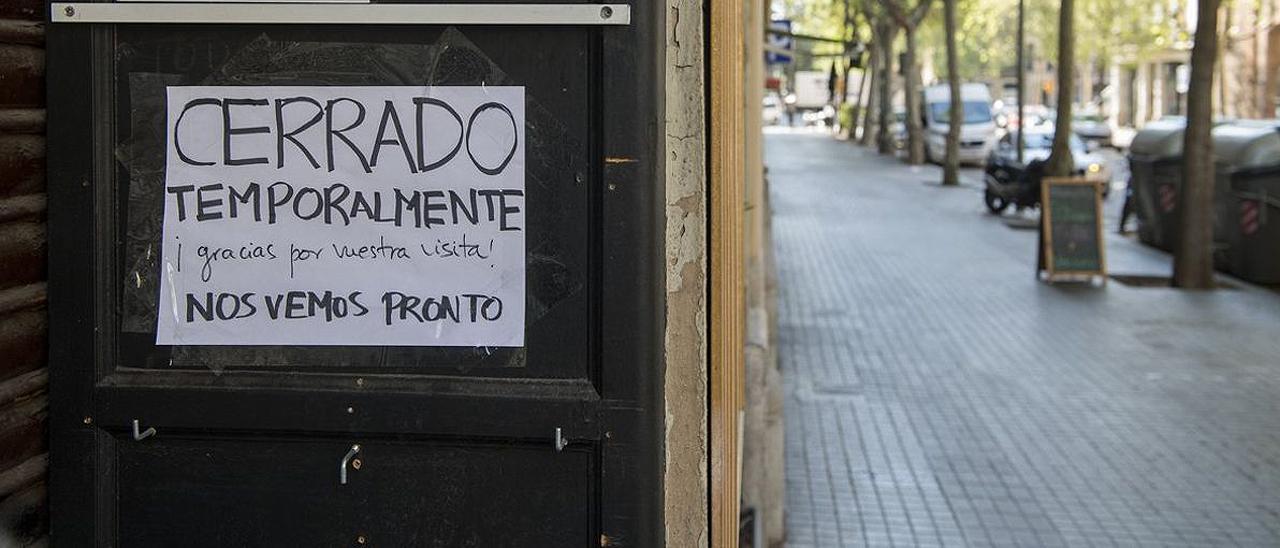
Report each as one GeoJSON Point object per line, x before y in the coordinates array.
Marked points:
{"type": "Point", "coordinates": [727, 323]}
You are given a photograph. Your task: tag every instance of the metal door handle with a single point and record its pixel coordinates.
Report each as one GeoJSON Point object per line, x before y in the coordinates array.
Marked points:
{"type": "Point", "coordinates": [141, 435]}
{"type": "Point", "coordinates": [342, 467]}
{"type": "Point", "coordinates": [560, 441]}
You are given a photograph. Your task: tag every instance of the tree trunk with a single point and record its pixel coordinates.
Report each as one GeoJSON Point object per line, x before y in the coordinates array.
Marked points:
{"type": "Point", "coordinates": [884, 137]}
{"type": "Point", "coordinates": [1060, 162]}
{"type": "Point", "coordinates": [1193, 258]}
{"type": "Point", "coordinates": [1258, 87]}
{"type": "Point", "coordinates": [1086, 82]}
{"type": "Point", "coordinates": [1223, 104]}
{"type": "Point", "coordinates": [860, 106]}
{"type": "Point", "coordinates": [898, 17]}
{"type": "Point", "coordinates": [871, 72]}
{"type": "Point", "coordinates": [911, 92]}
{"type": "Point", "coordinates": [1022, 81]}
{"type": "Point", "coordinates": [951, 169]}
{"type": "Point", "coordinates": [843, 61]}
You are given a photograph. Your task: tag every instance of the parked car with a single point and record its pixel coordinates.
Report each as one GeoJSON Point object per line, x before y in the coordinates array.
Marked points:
{"type": "Point", "coordinates": [824, 117]}
{"type": "Point", "coordinates": [1092, 128]}
{"type": "Point", "coordinates": [977, 134]}
{"type": "Point", "coordinates": [1039, 115]}
{"type": "Point", "coordinates": [1003, 161]}
{"type": "Point", "coordinates": [898, 129]}
{"type": "Point", "coordinates": [772, 109]}
{"type": "Point", "coordinates": [1007, 116]}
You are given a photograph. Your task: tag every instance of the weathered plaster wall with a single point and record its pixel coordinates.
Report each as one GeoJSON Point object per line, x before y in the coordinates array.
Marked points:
{"type": "Point", "coordinates": [685, 471]}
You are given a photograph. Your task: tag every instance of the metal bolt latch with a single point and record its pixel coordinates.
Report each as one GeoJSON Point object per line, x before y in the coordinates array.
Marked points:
{"type": "Point", "coordinates": [606, 12]}
{"type": "Point", "coordinates": [139, 435]}
{"type": "Point", "coordinates": [342, 466]}
{"type": "Point", "coordinates": [560, 441]}
{"type": "Point", "coordinates": [70, 11]}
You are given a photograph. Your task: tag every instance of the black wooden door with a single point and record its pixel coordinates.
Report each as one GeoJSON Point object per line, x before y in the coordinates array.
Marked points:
{"type": "Point", "coordinates": [456, 444]}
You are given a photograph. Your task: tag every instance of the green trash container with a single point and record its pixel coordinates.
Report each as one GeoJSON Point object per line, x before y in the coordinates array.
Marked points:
{"type": "Point", "coordinates": [1247, 159]}
{"type": "Point", "coordinates": [1155, 168]}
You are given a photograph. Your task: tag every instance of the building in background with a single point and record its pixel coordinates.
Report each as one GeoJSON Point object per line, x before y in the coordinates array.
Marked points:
{"type": "Point", "coordinates": [1154, 85]}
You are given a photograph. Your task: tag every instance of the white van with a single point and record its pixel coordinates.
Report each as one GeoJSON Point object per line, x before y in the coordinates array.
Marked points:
{"type": "Point", "coordinates": [810, 87]}
{"type": "Point", "coordinates": [977, 136]}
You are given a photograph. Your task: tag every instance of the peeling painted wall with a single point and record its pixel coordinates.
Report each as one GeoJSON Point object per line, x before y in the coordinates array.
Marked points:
{"type": "Point", "coordinates": [23, 320]}
{"type": "Point", "coordinates": [685, 463]}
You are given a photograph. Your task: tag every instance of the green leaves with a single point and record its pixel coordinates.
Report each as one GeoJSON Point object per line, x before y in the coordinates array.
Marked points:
{"type": "Point", "coordinates": [1104, 28]}
{"type": "Point", "coordinates": [1130, 29]}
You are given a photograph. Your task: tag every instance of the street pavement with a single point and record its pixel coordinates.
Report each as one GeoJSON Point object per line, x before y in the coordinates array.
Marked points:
{"type": "Point", "coordinates": [937, 394]}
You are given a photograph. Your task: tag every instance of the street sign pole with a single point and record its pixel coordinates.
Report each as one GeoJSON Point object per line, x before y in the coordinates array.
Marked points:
{"type": "Point", "coordinates": [780, 43]}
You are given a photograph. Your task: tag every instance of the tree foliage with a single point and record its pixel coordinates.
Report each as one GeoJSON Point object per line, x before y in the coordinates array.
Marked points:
{"type": "Point", "coordinates": [1121, 27]}
{"type": "Point", "coordinates": [984, 45]}
{"type": "Point", "coordinates": [1129, 29]}
{"type": "Point", "coordinates": [817, 18]}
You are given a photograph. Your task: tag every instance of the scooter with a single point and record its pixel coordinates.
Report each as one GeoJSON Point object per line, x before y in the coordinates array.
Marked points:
{"type": "Point", "coordinates": [1019, 188]}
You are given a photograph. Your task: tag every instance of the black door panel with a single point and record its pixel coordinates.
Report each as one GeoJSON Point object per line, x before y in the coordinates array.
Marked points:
{"type": "Point", "coordinates": [456, 443]}
{"type": "Point", "coordinates": [220, 492]}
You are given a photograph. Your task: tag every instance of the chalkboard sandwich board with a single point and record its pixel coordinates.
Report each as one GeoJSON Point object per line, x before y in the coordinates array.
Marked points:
{"type": "Point", "coordinates": [1071, 236]}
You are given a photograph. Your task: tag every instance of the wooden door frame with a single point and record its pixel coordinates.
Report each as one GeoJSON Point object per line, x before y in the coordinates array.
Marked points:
{"type": "Point", "coordinates": [727, 264]}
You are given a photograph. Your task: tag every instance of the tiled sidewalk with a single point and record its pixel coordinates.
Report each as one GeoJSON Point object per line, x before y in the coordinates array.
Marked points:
{"type": "Point", "coordinates": [939, 395]}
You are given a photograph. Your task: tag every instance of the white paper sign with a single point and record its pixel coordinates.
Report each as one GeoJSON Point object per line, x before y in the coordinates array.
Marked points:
{"type": "Point", "coordinates": [344, 216]}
